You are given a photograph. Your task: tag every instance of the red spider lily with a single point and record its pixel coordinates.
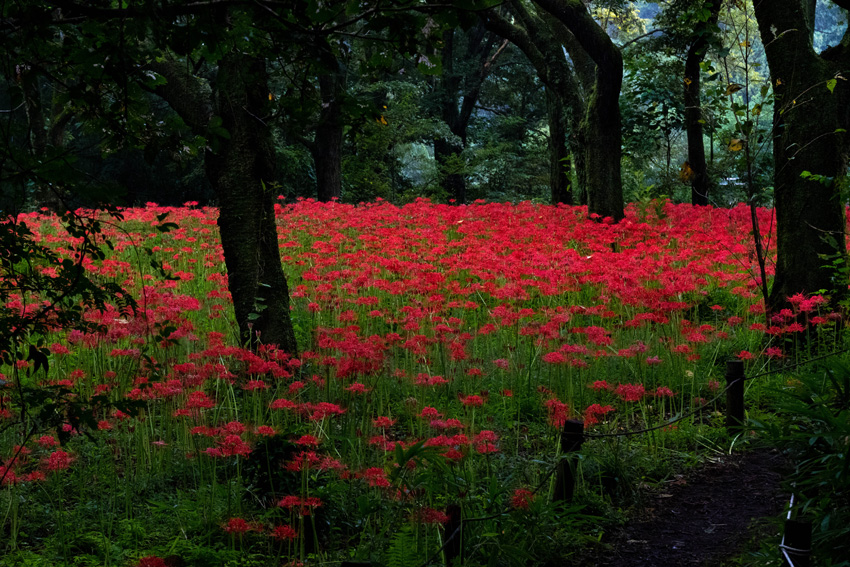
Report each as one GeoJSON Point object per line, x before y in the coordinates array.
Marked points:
{"type": "Point", "coordinates": [431, 516]}
{"type": "Point", "coordinates": [58, 461]}
{"type": "Point", "coordinates": [630, 392]}
{"type": "Point", "coordinates": [664, 392]}
{"type": "Point", "coordinates": [46, 441]}
{"type": "Point", "coordinates": [383, 422]}
{"type": "Point", "coordinates": [233, 445]}
{"type": "Point", "coordinates": [473, 401]}
{"type": "Point", "coordinates": [237, 526]}
{"type": "Point", "coordinates": [308, 441]}
{"type": "Point", "coordinates": [152, 561]}
{"type": "Point", "coordinates": [234, 428]}
{"type": "Point", "coordinates": [430, 413]}
{"type": "Point", "coordinates": [376, 477]}
{"type": "Point", "coordinates": [558, 412]}
{"type": "Point", "coordinates": [265, 430]}
{"type": "Point", "coordinates": [522, 498]}
{"type": "Point", "coordinates": [594, 413]}
{"type": "Point", "coordinates": [284, 532]}
{"type": "Point", "coordinates": [303, 506]}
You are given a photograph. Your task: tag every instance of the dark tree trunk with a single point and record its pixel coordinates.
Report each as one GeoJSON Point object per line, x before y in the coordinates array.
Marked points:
{"type": "Point", "coordinates": [458, 95]}
{"type": "Point", "coordinates": [808, 137]}
{"type": "Point", "coordinates": [693, 127]}
{"type": "Point", "coordinates": [601, 124]}
{"type": "Point", "coordinates": [560, 173]}
{"type": "Point", "coordinates": [448, 158]}
{"type": "Point", "coordinates": [446, 151]}
{"type": "Point", "coordinates": [543, 40]}
{"type": "Point", "coordinates": [326, 148]}
{"type": "Point", "coordinates": [239, 169]}
{"type": "Point", "coordinates": [693, 111]}
{"type": "Point", "coordinates": [603, 146]}
{"type": "Point", "coordinates": [239, 173]}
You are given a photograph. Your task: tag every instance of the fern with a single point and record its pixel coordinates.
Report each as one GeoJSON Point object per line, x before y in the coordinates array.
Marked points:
{"type": "Point", "coordinates": [402, 552]}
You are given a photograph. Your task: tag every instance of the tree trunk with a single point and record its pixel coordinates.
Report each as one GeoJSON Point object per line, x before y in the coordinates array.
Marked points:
{"type": "Point", "coordinates": [238, 172]}
{"type": "Point", "coordinates": [601, 124]}
{"type": "Point", "coordinates": [448, 158]}
{"type": "Point", "coordinates": [327, 144]}
{"type": "Point", "coordinates": [543, 41]}
{"type": "Point", "coordinates": [808, 120]}
{"type": "Point", "coordinates": [560, 169]}
{"type": "Point", "coordinates": [693, 110]}
{"type": "Point", "coordinates": [693, 127]}
{"type": "Point", "coordinates": [458, 95]}
{"type": "Point", "coordinates": [603, 146]}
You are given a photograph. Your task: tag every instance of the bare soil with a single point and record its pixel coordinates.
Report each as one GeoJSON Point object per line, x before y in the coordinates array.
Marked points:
{"type": "Point", "coordinates": [704, 518]}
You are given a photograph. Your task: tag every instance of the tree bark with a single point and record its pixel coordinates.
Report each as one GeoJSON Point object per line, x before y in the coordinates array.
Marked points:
{"type": "Point", "coordinates": [238, 170]}
{"type": "Point", "coordinates": [601, 123]}
{"type": "Point", "coordinates": [560, 174]}
{"type": "Point", "coordinates": [446, 151]}
{"type": "Point", "coordinates": [693, 111]}
{"type": "Point", "coordinates": [808, 120]}
{"type": "Point", "coordinates": [326, 148]}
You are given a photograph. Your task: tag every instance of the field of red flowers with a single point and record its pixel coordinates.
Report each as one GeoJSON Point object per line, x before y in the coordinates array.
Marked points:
{"type": "Point", "coordinates": [442, 349]}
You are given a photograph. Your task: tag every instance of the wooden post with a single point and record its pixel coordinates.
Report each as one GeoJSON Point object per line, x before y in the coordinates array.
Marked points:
{"type": "Point", "coordinates": [572, 438]}
{"type": "Point", "coordinates": [453, 533]}
{"type": "Point", "coordinates": [798, 537]}
{"type": "Point", "coordinates": [734, 395]}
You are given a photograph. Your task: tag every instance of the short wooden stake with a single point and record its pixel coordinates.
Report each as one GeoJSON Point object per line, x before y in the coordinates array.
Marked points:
{"type": "Point", "coordinates": [572, 438]}
{"type": "Point", "coordinates": [453, 533]}
{"type": "Point", "coordinates": [797, 544]}
{"type": "Point", "coordinates": [734, 395]}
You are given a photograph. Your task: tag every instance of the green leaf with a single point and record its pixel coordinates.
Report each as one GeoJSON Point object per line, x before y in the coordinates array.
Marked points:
{"type": "Point", "coordinates": [830, 84]}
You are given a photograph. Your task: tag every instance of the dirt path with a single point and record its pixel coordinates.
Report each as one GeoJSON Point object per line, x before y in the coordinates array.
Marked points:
{"type": "Point", "coordinates": [704, 518]}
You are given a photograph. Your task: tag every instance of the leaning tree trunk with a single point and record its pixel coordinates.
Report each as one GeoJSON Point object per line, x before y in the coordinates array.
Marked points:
{"type": "Point", "coordinates": [560, 173]}
{"type": "Point", "coordinates": [601, 125]}
{"type": "Point", "coordinates": [543, 42]}
{"type": "Point", "coordinates": [810, 151]}
{"type": "Point", "coordinates": [327, 144]}
{"type": "Point", "coordinates": [239, 172]}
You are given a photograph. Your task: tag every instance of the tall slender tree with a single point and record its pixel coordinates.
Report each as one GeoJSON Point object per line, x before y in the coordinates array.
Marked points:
{"type": "Point", "coordinates": [705, 20]}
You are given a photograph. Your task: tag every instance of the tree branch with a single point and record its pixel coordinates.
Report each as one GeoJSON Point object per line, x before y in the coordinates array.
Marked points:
{"type": "Point", "coordinates": [185, 93]}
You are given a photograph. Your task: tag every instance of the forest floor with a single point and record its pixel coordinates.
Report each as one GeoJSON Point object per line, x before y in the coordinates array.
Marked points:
{"type": "Point", "coordinates": [708, 517]}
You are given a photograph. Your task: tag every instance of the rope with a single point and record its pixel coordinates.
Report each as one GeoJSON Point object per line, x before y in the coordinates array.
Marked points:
{"type": "Point", "coordinates": [784, 548]}
{"type": "Point", "coordinates": [796, 364]}
{"type": "Point", "coordinates": [667, 423]}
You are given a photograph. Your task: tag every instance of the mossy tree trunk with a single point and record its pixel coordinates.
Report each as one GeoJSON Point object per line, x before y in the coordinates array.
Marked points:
{"type": "Point", "coordinates": [601, 125]}
{"type": "Point", "coordinates": [240, 166]}
{"type": "Point", "coordinates": [812, 114]}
